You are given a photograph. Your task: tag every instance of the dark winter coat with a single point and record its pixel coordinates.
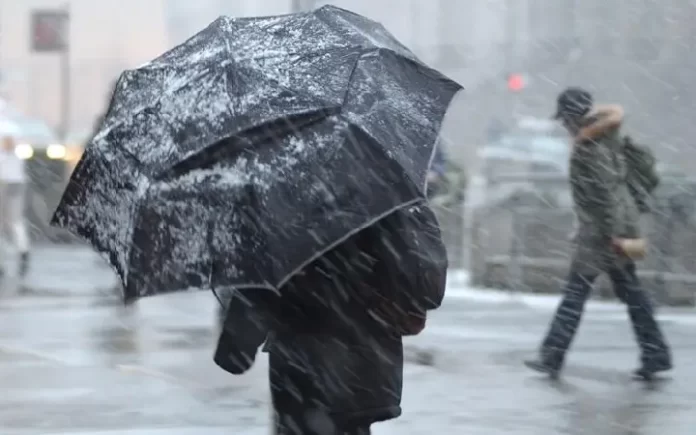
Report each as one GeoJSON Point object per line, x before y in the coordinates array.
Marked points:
{"type": "Point", "coordinates": [602, 200]}
{"type": "Point", "coordinates": [335, 333]}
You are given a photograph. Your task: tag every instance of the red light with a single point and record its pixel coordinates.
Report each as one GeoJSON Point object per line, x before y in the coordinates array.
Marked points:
{"type": "Point", "coordinates": [515, 82]}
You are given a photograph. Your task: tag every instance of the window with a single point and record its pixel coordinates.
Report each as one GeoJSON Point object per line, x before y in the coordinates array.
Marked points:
{"type": "Point", "coordinates": [49, 31]}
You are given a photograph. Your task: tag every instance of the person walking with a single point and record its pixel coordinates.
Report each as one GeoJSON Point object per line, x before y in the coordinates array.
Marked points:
{"type": "Point", "coordinates": [334, 332]}
{"type": "Point", "coordinates": [607, 239]}
{"type": "Point", "coordinates": [13, 181]}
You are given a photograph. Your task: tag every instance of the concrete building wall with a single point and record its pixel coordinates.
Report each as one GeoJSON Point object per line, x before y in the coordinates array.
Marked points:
{"type": "Point", "coordinates": [105, 38]}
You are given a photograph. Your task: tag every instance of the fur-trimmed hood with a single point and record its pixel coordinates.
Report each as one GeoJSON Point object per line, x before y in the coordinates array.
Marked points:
{"type": "Point", "coordinates": [602, 120]}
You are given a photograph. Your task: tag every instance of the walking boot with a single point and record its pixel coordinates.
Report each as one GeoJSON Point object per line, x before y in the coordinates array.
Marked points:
{"type": "Point", "coordinates": [647, 371]}
{"type": "Point", "coordinates": [538, 365]}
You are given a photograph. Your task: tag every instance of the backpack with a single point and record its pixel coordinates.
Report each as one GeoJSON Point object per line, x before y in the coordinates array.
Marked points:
{"type": "Point", "coordinates": [386, 276]}
{"type": "Point", "coordinates": [413, 260]}
{"type": "Point", "coordinates": [641, 176]}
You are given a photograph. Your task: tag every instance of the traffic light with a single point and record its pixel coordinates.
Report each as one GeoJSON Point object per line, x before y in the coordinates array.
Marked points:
{"type": "Point", "coordinates": [515, 82]}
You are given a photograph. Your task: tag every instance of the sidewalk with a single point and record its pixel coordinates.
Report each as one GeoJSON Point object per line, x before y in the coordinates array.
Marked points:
{"type": "Point", "coordinates": [61, 270]}
{"type": "Point", "coordinates": [485, 396]}
{"type": "Point", "coordinates": [98, 370]}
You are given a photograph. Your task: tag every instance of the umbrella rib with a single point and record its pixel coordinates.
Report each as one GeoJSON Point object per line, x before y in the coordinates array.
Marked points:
{"type": "Point", "coordinates": [350, 79]}
{"type": "Point", "coordinates": [303, 53]}
{"type": "Point", "coordinates": [297, 121]}
{"type": "Point", "coordinates": [149, 105]}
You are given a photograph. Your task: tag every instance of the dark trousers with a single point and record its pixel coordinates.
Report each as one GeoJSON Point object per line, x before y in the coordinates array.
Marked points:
{"type": "Point", "coordinates": [653, 347]}
{"type": "Point", "coordinates": [298, 405]}
{"type": "Point", "coordinates": [290, 425]}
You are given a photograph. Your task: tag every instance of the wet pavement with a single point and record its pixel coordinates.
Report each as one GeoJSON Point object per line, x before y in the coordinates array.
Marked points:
{"type": "Point", "coordinates": [73, 360]}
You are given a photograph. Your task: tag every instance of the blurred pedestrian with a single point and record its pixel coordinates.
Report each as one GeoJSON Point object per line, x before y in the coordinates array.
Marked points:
{"type": "Point", "coordinates": [334, 333]}
{"type": "Point", "coordinates": [437, 173]}
{"type": "Point", "coordinates": [608, 235]}
{"type": "Point", "coordinates": [13, 181]}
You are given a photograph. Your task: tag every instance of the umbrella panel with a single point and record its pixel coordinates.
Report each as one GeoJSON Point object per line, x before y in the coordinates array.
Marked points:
{"type": "Point", "coordinates": [254, 219]}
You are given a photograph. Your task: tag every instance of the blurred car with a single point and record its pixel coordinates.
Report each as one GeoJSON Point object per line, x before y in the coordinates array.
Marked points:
{"type": "Point", "coordinates": [534, 145]}
{"type": "Point", "coordinates": [47, 165]}
{"type": "Point", "coordinates": [529, 160]}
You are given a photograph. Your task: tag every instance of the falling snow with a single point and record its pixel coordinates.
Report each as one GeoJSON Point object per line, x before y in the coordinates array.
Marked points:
{"type": "Point", "coordinates": [236, 160]}
{"type": "Point", "coordinates": [249, 135]}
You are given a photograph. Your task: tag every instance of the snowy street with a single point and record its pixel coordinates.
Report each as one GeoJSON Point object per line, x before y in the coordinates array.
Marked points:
{"type": "Point", "coordinates": [74, 361]}
{"type": "Point", "coordinates": [315, 175]}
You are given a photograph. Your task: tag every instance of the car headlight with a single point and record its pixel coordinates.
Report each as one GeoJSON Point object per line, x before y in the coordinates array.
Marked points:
{"type": "Point", "coordinates": [56, 151]}
{"type": "Point", "coordinates": [24, 151]}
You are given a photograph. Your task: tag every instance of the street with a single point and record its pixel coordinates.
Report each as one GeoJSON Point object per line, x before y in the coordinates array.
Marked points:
{"type": "Point", "coordinates": [73, 360]}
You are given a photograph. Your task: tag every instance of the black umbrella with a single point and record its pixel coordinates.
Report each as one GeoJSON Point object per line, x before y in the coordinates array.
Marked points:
{"type": "Point", "coordinates": [243, 154]}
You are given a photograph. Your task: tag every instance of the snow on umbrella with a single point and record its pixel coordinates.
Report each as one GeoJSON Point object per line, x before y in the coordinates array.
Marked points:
{"type": "Point", "coordinates": [243, 154]}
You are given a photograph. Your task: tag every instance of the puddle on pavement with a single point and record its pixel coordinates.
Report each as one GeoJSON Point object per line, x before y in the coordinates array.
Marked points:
{"type": "Point", "coordinates": [188, 341]}
{"type": "Point", "coordinates": [199, 331]}
{"type": "Point", "coordinates": [14, 357]}
{"type": "Point", "coordinates": [128, 340]}
{"type": "Point", "coordinates": [181, 343]}
{"type": "Point", "coordinates": [122, 345]}
{"type": "Point", "coordinates": [187, 337]}
{"type": "Point", "coordinates": [106, 301]}
{"type": "Point", "coordinates": [118, 340]}
{"type": "Point", "coordinates": [115, 333]}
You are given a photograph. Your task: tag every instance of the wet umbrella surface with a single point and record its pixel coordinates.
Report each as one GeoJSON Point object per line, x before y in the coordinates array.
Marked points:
{"type": "Point", "coordinates": [244, 153]}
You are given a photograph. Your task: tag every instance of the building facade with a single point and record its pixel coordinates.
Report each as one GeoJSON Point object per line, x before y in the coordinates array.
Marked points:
{"type": "Point", "coordinates": [105, 37]}
{"type": "Point", "coordinates": [638, 53]}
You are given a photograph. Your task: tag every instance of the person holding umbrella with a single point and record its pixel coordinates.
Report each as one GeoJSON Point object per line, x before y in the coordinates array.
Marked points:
{"type": "Point", "coordinates": [287, 158]}
{"type": "Point", "coordinates": [334, 332]}
{"type": "Point", "coordinates": [13, 180]}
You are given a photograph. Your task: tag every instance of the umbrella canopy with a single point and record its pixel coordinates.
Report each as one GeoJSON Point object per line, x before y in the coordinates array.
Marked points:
{"type": "Point", "coordinates": [243, 154]}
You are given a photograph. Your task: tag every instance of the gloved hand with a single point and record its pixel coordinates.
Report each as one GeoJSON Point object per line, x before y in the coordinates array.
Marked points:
{"type": "Point", "coordinates": [244, 330]}
{"type": "Point", "coordinates": [635, 249]}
